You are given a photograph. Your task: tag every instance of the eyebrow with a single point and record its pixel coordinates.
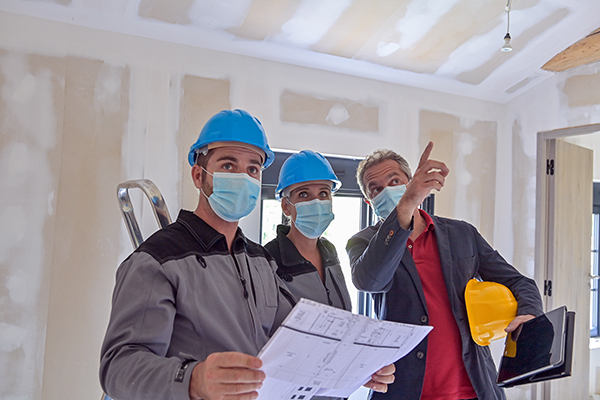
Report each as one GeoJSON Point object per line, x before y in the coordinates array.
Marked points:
{"type": "Point", "coordinates": [305, 187]}
{"type": "Point", "coordinates": [236, 160]}
{"type": "Point", "coordinates": [387, 177]}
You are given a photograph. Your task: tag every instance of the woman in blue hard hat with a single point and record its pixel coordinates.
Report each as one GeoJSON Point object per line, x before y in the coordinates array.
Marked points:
{"type": "Point", "coordinates": [308, 263]}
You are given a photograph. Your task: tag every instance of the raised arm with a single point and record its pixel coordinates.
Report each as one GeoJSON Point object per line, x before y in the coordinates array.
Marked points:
{"type": "Point", "coordinates": [375, 254]}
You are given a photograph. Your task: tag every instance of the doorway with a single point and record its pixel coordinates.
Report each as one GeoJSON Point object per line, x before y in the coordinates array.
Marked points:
{"type": "Point", "coordinates": [563, 238]}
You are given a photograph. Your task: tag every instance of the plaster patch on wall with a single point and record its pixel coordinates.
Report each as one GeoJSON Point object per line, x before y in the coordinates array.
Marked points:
{"type": "Point", "coordinates": [16, 159]}
{"type": "Point", "coordinates": [17, 287]}
{"type": "Point", "coordinates": [107, 93]}
{"type": "Point", "coordinates": [29, 87]}
{"type": "Point", "coordinates": [14, 218]}
{"type": "Point", "coordinates": [583, 90]}
{"type": "Point", "coordinates": [11, 337]}
{"type": "Point", "coordinates": [87, 222]}
{"type": "Point", "coordinates": [306, 109]}
{"type": "Point", "coordinates": [337, 114]}
{"type": "Point", "coordinates": [467, 146]}
{"type": "Point", "coordinates": [174, 12]}
{"type": "Point", "coordinates": [25, 90]}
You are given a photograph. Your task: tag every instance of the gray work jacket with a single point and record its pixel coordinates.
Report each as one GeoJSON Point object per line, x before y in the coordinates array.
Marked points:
{"type": "Point", "coordinates": [181, 296]}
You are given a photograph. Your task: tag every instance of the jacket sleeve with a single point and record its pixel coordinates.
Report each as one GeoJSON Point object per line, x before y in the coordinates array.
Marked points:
{"type": "Point", "coordinates": [133, 362]}
{"type": "Point", "coordinates": [493, 267]}
{"type": "Point", "coordinates": [376, 253]}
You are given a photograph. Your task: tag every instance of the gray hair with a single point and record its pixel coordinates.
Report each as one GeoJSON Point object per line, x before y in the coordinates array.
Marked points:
{"type": "Point", "coordinates": [375, 158]}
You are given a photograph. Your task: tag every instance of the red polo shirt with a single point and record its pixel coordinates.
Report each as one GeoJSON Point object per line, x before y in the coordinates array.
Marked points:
{"type": "Point", "coordinates": [445, 374]}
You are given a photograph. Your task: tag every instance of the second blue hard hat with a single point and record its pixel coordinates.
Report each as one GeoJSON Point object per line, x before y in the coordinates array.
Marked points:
{"type": "Point", "coordinates": [305, 166]}
{"type": "Point", "coordinates": [232, 126]}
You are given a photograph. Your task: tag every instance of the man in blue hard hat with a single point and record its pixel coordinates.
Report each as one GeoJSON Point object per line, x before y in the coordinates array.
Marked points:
{"type": "Point", "coordinates": [195, 303]}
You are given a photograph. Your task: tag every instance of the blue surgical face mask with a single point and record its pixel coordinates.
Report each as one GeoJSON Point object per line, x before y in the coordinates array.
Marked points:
{"type": "Point", "coordinates": [312, 217]}
{"type": "Point", "coordinates": [234, 195]}
{"type": "Point", "coordinates": [385, 202]}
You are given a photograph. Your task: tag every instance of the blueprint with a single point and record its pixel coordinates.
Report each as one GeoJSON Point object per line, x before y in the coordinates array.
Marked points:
{"type": "Point", "coordinates": [325, 351]}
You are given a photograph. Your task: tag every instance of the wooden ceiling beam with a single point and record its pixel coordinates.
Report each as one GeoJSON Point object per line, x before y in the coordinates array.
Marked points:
{"type": "Point", "coordinates": [585, 51]}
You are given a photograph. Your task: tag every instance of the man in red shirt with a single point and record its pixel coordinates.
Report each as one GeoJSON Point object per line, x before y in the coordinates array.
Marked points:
{"type": "Point", "coordinates": [425, 285]}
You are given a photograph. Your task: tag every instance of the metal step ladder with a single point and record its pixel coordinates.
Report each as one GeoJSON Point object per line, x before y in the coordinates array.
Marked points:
{"type": "Point", "coordinates": [159, 207]}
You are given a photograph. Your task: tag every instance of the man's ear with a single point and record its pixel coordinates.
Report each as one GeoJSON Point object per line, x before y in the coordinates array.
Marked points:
{"type": "Point", "coordinates": [197, 175]}
{"type": "Point", "coordinates": [285, 207]}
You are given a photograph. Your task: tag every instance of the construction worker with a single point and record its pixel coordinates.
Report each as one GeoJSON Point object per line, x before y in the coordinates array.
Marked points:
{"type": "Point", "coordinates": [307, 262]}
{"type": "Point", "coordinates": [195, 303]}
{"type": "Point", "coordinates": [417, 266]}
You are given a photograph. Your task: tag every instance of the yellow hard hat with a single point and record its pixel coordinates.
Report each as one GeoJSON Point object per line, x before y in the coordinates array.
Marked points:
{"type": "Point", "coordinates": [490, 308]}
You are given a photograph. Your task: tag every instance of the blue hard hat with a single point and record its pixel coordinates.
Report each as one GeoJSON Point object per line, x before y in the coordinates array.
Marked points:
{"type": "Point", "coordinates": [233, 126]}
{"type": "Point", "coordinates": [305, 166]}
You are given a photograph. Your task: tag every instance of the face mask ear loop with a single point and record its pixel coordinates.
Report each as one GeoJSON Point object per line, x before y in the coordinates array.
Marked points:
{"type": "Point", "coordinates": [200, 190]}
{"type": "Point", "coordinates": [292, 222]}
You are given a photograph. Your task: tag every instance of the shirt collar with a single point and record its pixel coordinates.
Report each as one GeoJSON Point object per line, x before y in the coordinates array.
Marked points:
{"type": "Point", "coordinates": [290, 254]}
{"type": "Point", "coordinates": [428, 220]}
{"type": "Point", "coordinates": [206, 235]}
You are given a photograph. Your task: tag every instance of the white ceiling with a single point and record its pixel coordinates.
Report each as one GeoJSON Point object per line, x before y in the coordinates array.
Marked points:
{"type": "Point", "coordinates": [446, 45]}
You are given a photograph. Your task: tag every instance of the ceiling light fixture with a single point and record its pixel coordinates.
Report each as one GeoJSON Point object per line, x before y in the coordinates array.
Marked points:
{"type": "Point", "coordinates": [507, 47]}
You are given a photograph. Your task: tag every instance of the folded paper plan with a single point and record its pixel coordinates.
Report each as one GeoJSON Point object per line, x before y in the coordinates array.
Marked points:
{"type": "Point", "coordinates": [322, 350]}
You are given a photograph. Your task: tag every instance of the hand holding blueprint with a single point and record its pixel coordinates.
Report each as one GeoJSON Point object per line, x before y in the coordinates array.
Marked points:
{"type": "Point", "coordinates": [325, 351]}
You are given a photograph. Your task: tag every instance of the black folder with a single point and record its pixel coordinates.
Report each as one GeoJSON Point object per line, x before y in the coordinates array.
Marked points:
{"type": "Point", "coordinates": [539, 350]}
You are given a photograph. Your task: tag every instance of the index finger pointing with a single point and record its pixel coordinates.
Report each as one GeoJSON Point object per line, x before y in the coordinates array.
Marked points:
{"type": "Point", "coordinates": [426, 154]}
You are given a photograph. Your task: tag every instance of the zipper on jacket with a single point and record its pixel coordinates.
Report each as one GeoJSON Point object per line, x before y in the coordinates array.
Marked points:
{"type": "Point", "coordinates": [339, 292]}
{"type": "Point", "coordinates": [242, 279]}
{"type": "Point", "coordinates": [251, 308]}
{"type": "Point", "coordinates": [289, 296]}
{"type": "Point", "coordinates": [326, 288]}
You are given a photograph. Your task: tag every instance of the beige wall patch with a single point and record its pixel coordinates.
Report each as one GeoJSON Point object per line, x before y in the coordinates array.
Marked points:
{"type": "Point", "coordinates": [306, 109]}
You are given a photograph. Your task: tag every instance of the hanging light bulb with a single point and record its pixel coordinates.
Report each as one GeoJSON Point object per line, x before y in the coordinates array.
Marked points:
{"type": "Point", "coordinates": [507, 47]}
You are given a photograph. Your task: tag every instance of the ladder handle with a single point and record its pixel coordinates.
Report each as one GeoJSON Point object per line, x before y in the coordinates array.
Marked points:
{"type": "Point", "coordinates": [159, 207]}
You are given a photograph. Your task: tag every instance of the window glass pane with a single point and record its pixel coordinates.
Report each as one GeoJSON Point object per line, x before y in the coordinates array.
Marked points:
{"type": "Point", "coordinates": [271, 217]}
{"type": "Point", "coordinates": [345, 224]}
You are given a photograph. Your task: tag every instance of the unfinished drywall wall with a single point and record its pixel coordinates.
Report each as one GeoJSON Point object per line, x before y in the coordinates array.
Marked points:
{"type": "Point", "coordinates": [101, 108]}
{"type": "Point", "coordinates": [468, 147]}
{"type": "Point", "coordinates": [30, 160]}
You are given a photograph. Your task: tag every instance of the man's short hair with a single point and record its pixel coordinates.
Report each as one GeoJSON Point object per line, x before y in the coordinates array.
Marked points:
{"type": "Point", "coordinates": [202, 161]}
{"type": "Point", "coordinates": [375, 158]}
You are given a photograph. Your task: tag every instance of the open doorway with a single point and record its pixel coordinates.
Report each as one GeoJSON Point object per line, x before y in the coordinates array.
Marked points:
{"type": "Point", "coordinates": [565, 171]}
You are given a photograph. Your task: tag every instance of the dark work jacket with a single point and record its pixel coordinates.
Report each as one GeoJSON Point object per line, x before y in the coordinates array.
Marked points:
{"type": "Point", "coordinates": [381, 265]}
{"type": "Point", "coordinates": [302, 278]}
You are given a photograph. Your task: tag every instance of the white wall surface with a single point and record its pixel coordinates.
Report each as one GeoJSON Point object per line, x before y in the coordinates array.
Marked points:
{"type": "Point", "coordinates": [59, 169]}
